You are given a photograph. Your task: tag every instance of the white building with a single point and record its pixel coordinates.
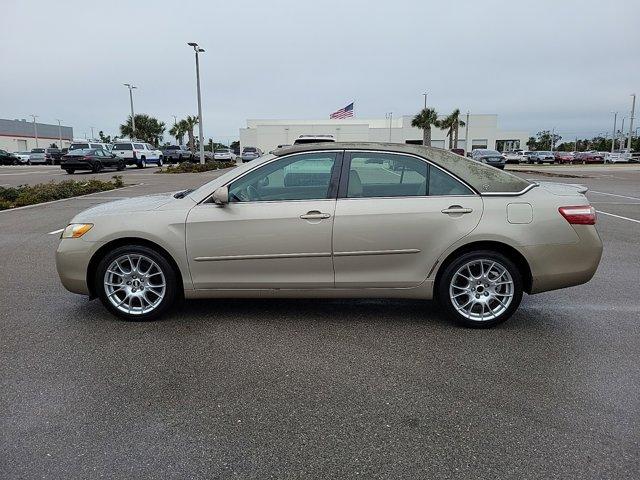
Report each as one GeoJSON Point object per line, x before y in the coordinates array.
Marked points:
{"type": "Point", "coordinates": [22, 136]}
{"type": "Point", "coordinates": [483, 132]}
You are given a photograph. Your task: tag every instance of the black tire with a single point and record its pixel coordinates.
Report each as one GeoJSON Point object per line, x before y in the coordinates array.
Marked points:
{"type": "Point", "coordinates": [29, 162]}
{"type": "Point", "coordinates": [142, 163]}
{"type": "Point", "coordinates": [70, 171]}
{"type": "Point", "coordinates": [170, 279]}
{"type": "Point", "coordinates": [121, 166]}
{"type": "Point", "coordinates": [160, 161]}
{"type": "Point", "coordinates": [444, 282]}
{"type": "Point", "coordinates": [97, 167]}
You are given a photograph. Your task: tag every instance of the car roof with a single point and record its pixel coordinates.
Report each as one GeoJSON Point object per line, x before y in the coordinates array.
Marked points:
{"type": "Point", "coordinates": [483, 178]}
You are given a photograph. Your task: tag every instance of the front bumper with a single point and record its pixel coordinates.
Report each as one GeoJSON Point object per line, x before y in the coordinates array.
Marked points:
{"type": "Point", "coordinates": [72, 262]}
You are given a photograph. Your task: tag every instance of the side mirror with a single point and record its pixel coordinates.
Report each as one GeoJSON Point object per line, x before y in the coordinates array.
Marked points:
{"type": "Point", "coordinates": [221, 196]}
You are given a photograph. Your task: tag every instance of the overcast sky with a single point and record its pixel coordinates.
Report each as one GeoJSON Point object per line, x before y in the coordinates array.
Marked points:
{"type": "Point", "coordinates": [537, 64]}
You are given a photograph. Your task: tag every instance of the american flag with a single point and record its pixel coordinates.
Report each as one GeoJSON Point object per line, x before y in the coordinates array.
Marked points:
{"type": "Point", "coordinates": [343, 112]}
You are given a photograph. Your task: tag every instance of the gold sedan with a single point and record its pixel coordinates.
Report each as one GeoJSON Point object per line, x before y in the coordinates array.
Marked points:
{"type": "Point", "coordinates": [339, 220]}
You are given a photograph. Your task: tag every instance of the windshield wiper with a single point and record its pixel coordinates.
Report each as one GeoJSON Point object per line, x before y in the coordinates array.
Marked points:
{"type": "Point", "coordinates": [184, 193]}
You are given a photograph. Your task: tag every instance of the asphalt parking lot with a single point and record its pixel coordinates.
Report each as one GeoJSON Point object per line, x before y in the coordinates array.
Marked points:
{"type": "Point", "coordinates": [317, 388]}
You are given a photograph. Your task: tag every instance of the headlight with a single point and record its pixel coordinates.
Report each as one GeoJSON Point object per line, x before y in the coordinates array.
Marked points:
{"type": "Point", "coordinates": [76, 230]}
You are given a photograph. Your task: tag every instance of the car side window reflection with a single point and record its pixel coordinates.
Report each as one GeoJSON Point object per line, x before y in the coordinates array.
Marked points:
{"type": "Point", "coordinates": [385, 175]}
{"type": "Point", "coordinates": [299, 177]}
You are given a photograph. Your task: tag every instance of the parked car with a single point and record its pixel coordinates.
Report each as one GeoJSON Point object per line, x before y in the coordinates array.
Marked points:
{"type": "Point", "coordinates": [224, 154]}
{"type": "Point", "coordinates": [93, 159]}
{"type": "Point", "coordinates": [138, 153]}
{"type": "Point", "coordinates": [490, 157]}
{"type": "Point", "coordinates": [250, 153]}
{"type": "Point", "coordinates": [563, 157]}
{"type": "Point", "coordinates": [302, 139]}
{"type": "Point", "coordinates": [23, 157]}
{"type": "Point", "coordinates": [541, 157]}
{"type": "Point", "coordinates": [513, 157]}
{"type": "Point", "coordinates": [45, 156]}
{"type": "Point", "coordinates": [176, 153]}
{"type": "Point", "coordinates": [618, 156]}
{"type": "Point", "coordinates": [7, 158]}
{"type": "Point", "coordinates": [332, 221]}
{"type": "Point", "coordinates": [588, 157]}
{"type": "Point", "coordinates": [87, 145]}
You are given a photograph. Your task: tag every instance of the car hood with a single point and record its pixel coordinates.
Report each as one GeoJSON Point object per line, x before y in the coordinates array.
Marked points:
{"type": "Point", "coordinates": [130, 205]}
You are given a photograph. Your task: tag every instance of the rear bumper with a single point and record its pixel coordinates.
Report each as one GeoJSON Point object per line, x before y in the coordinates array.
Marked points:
{"type": "Point", "coordinates": [560, 266]}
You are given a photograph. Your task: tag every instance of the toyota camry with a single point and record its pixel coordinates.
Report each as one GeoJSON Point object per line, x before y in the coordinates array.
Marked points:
{"type": "Point", "coordinates": [339, 220]}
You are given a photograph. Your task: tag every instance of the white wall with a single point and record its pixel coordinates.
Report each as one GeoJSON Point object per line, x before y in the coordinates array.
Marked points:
{"type": "Point", "coordinates": [16, 144]}
{"type": "Point", "coordinates": [267, 134]}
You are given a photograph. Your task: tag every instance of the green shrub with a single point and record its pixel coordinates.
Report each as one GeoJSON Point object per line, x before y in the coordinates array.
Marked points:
{"type": "Point", "coordinates": [189, 167]}
{"type": "Point", "coordinates": [24, 195]}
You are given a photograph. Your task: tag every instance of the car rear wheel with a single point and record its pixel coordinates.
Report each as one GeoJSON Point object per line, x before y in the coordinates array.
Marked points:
{"type": "Point", "coordinates": [70, 171]}
{"type": "Point", "coordinates": [480, 289]}
{"type": "Point", "coordinates": [136, 283]}
{"type": "Point", "coordinates": [97, 167]}
{"type": "Point", "coordinates": [121, 166]}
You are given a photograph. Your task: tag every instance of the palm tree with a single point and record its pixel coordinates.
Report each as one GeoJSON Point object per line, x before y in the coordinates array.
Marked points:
{"type": "Point", "coordinates": [178, 132]}
{"type": "Point", "coordinates": [189, 124]}
{"type": "Point", "coordinates": [148, 129]}
{"type": "Point", "coordinates": [423, 120]}
{"type": "Point", "coordinates": [452, 124]}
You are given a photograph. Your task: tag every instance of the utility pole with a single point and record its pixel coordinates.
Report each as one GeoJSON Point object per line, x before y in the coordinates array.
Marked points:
{"type": "Point", "coordinates": [613, 135]}
{"type": "Point", "coordinates": [553, 137]}
{"type": "Point", "coordinates": [633, 111]}
{"type": "Point", "coordinates": [198, 50]}
{"type": "Point", "coordinates": [35, 128]}
{"type": "Point", "coordinates": [92, 137]}
{"type": "Point", "coordinates": [390, 117]}
{"type": "Point", "coordinates": [133, 119]}
{"type": "Point", "coordinates": [59, 131]}
{"type": "Point", "coordinates": [466, 135]}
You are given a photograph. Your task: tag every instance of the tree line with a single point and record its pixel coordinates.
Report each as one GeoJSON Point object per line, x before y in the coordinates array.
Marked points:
{"type": "Point", "coordinates": [545, 139]}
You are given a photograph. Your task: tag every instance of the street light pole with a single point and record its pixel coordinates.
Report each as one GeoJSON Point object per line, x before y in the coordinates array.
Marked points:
{"type": "Point", "coordinates": [59, 131]}
{"type": "Point", "coordinates": [613, 135]}
{"type": "Point", "coordinates": [133, 119]}
{"type": "Point", "coordinates": [425, 99]}
{"type": "Point", "coordinates": [198, 50]}
{"type": "Point", "coordinates": [92, 137]}
{"type": "Point", "coordinates": [390, 117]}
{"type": "Point", "coordinates": [553, 136]}
{"type": "Point", "coordinates": [466, 136]}
{"type": "Point", "coordinates": [35, 128]}
{"type": "Point", "coordinates": [633, 111]}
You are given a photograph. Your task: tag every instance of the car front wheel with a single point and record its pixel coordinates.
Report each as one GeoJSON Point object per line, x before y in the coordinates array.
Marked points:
{"type": "Point", "coordinates": [136, 283]}
{"type": "Point", "coordinates": [480, 289]}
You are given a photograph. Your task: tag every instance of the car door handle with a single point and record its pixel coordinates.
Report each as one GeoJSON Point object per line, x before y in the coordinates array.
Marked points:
{"type": "Point", "coordinates": [456, 210]}
{"type": "Point", "coordinates": [314, 215]}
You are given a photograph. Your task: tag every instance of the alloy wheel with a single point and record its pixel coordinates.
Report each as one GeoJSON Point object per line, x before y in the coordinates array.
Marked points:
{"type": "Point", "coordinates": [134, 284]}
{"type": "Point", "coordinates": [481, 290]}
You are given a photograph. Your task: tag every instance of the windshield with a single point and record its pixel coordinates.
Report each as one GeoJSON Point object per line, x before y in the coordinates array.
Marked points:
{"type": "Point", "coordinates": [122, 146]}
{"type": "Point", "coordinates": [208, 187]}
{"type": "Point", "coordinates": [249, 149]}
{"type": "Point", "coordinates": [78, 146]}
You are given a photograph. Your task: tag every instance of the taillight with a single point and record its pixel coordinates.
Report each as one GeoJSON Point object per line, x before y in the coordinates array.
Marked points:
{"type": "Point", "coordinates": [87, 158]}
{"type": "Point", "coordinates": [579, 215]}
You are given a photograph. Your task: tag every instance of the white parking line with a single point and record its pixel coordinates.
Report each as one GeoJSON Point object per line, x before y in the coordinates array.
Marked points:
{"type": "Point", "coordinates": [24, 173]}
{"type": "Point", "coordinates": [614, 195]}
{"type": "Point", "coordinates": [618, 216]}
{"type": "Point", "coordinates": [55, 232]}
